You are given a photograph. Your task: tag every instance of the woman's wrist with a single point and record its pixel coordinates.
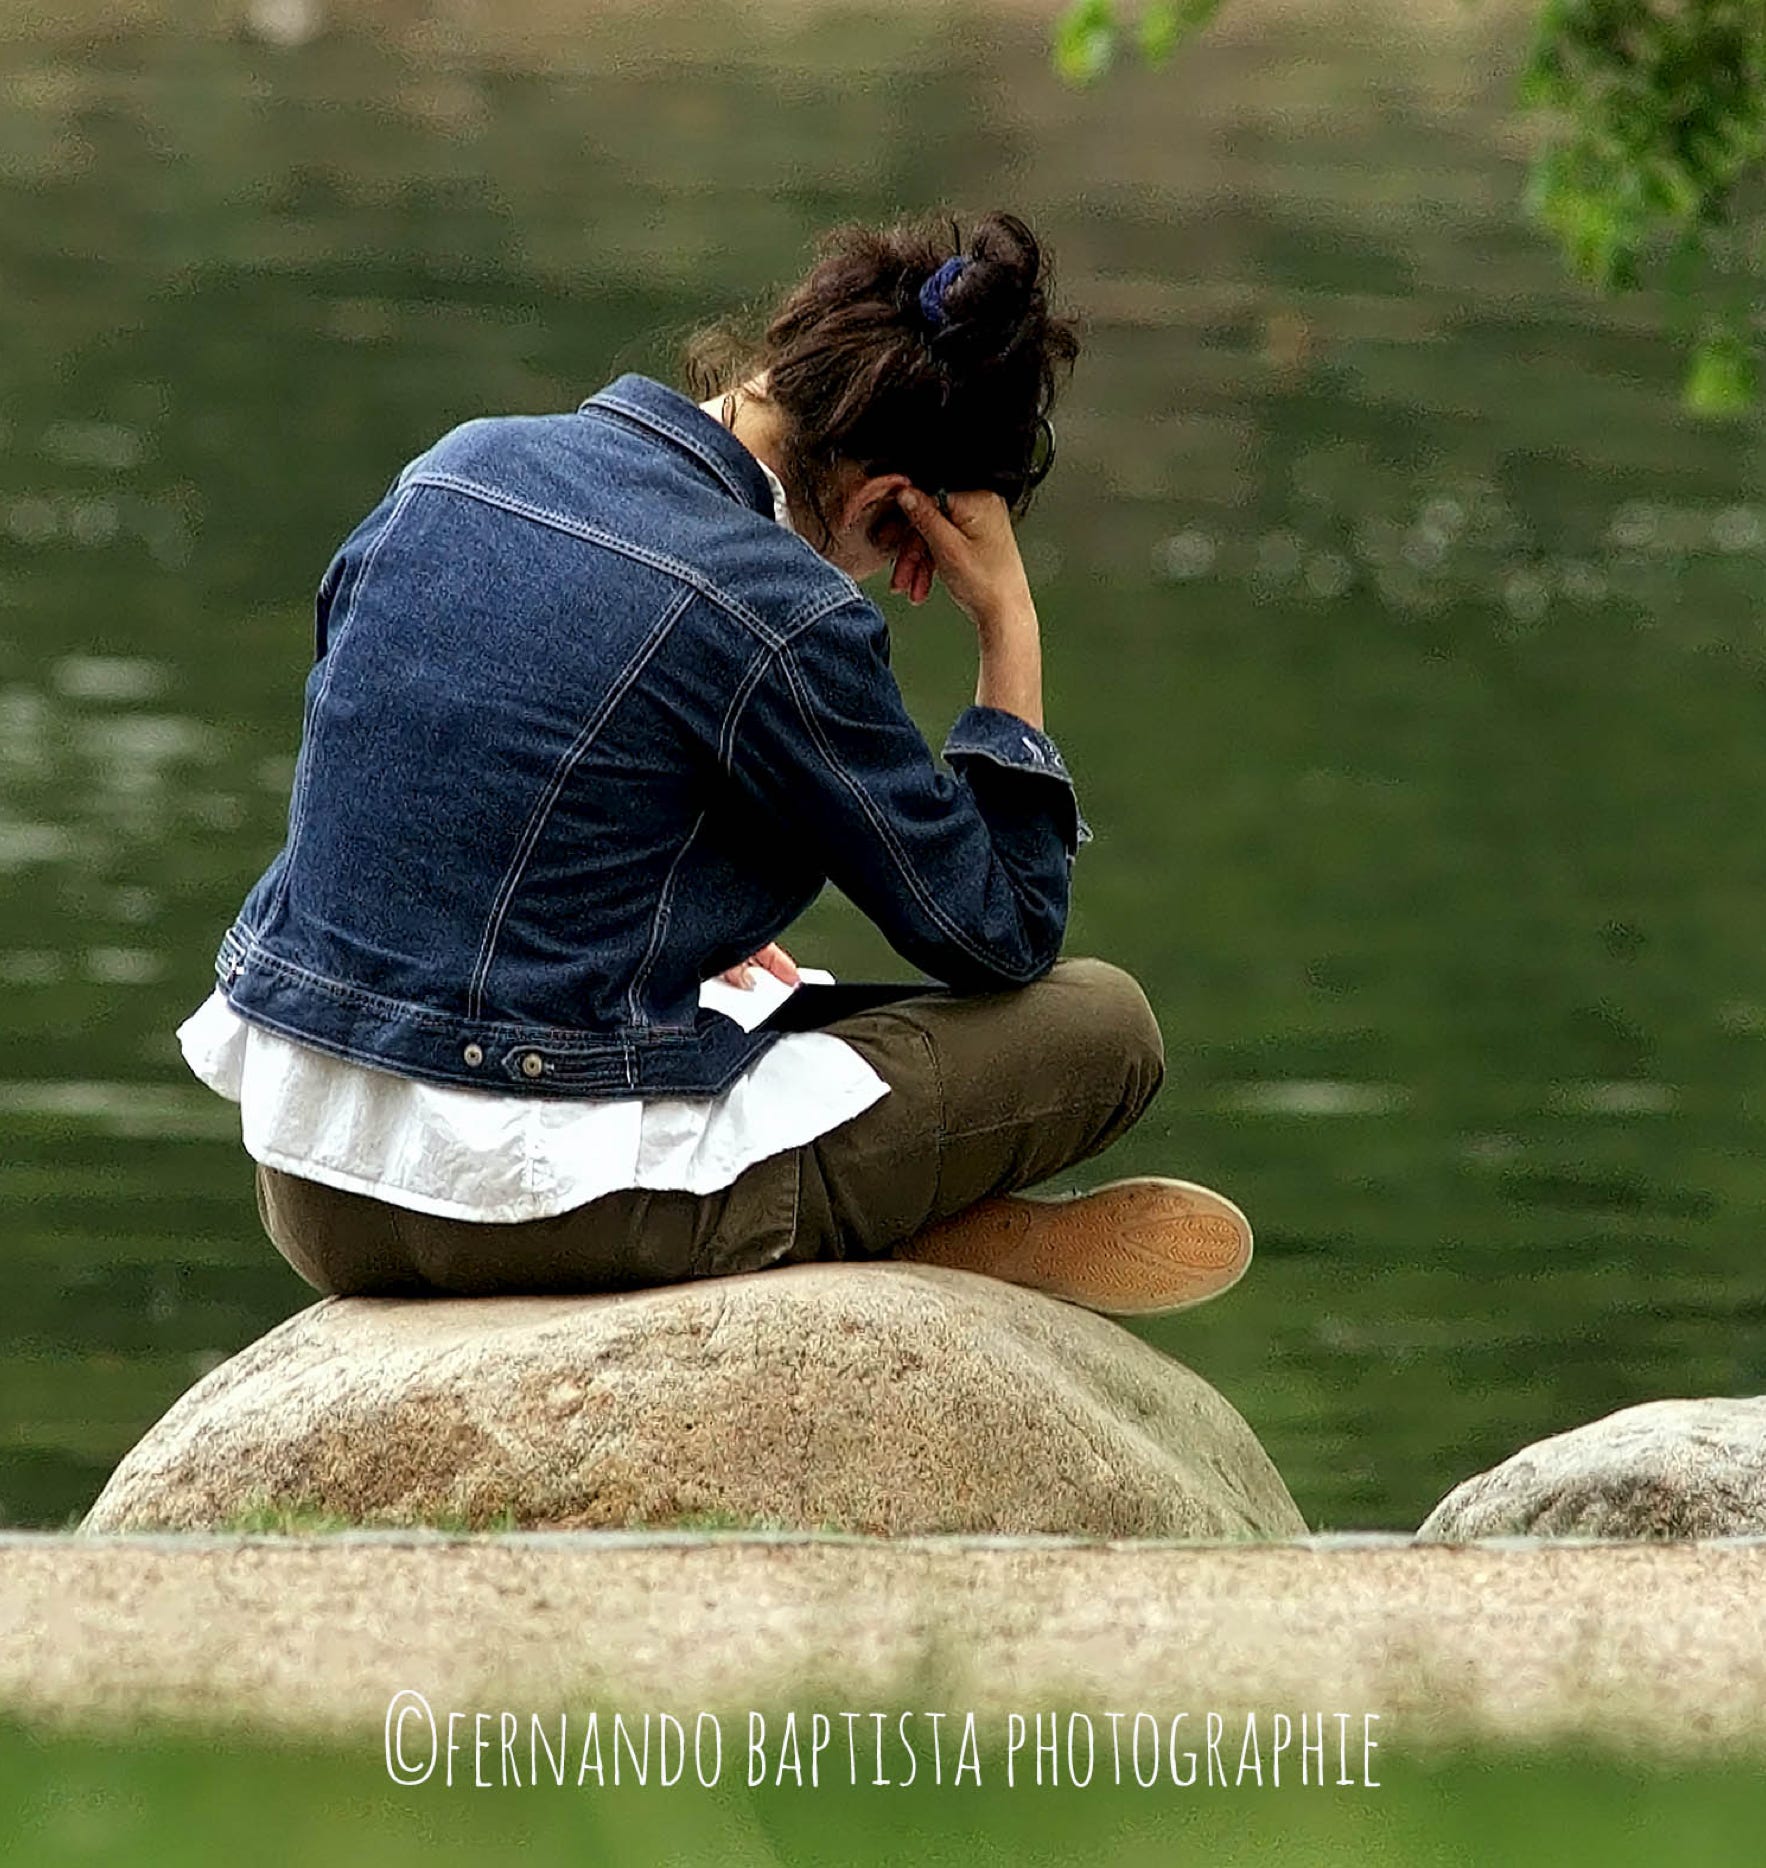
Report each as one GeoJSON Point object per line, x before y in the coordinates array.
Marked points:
{"type": "Point", "coordinates": [1008, 621]}
{"type": "Point", "coordinates": [1010, 677]}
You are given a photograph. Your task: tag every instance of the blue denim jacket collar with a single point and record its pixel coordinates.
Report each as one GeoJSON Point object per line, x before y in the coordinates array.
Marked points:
{"type": "Point", "coordinates": [681, 422]}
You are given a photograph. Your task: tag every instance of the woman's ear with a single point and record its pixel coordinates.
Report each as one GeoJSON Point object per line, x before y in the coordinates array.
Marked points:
{"type": "Point", "coordinates": [870, 501]}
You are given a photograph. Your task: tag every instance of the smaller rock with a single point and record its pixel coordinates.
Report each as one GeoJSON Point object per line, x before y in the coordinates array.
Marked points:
{"type": "Point", "coordinates": [1667, 1469]}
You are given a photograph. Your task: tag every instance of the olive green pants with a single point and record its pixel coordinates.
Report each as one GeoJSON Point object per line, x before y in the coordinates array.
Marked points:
{"type": "Point", "coordinates": [987, 1094]}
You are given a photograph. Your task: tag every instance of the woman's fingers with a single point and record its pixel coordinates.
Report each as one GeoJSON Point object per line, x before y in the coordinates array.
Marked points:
{"type": "Point", "coordinates": [942, 536]}
{"type": "Point", "coordinates": [945, 541]}
{"type": "Point", "coordinates": [973, 551]}
{"type": "Point", "coordinates": [775, 960]}
{"type": "Point", "coordinates": [914, 570]}
{"type": "Point", "coordinates": [772, 959]}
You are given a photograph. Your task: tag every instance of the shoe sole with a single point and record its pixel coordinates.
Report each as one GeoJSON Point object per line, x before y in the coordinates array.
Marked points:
{"type": "Point", "coordinates": [1129, 1249]}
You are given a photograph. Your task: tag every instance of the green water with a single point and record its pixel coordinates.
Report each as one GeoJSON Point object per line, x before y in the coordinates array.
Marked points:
{"type": "Point", "coordinates": [160, 1802]}
{"type": "Point", "coordinates": [1403, 633]}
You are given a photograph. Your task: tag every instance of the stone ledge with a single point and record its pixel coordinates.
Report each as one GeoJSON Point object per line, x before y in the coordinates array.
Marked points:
{"type": "Point", "coordinates": [1623, 1645]}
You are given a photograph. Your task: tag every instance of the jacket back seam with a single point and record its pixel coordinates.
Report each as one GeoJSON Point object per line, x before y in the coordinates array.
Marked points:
{"type": "Point", "coordinates": [726, 739]}
{"type": "Point", "coordinates": [659, 925]}
{"type": "Point", "coordinates": [543, 805]}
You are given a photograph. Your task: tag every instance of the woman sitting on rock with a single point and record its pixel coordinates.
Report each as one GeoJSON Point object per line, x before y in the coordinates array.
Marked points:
{"type": "Point", "coordinates": [598, 707]}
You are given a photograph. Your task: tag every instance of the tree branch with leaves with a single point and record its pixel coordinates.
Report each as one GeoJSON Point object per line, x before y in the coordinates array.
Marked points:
{"type": "Point", "coordinates": [1650, 165]}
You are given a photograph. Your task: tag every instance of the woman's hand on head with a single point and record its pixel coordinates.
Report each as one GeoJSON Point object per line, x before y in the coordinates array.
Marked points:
{"type": "Point", "coordinates": [973, 549]}
{"type": "Point", "coordinates": [772, 959]}
{"type": "Point", "coordinates": [914, 571]}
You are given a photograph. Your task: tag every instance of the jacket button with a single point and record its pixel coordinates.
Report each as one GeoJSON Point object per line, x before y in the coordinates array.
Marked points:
{"type": "Point", "coordinates": [532, 1064]}
{"type": "Point", "coordinates": [474, 1055]}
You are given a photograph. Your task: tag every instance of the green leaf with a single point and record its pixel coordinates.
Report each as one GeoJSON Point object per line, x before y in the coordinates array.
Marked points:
{"type": "Point", "coordinates": [1085, 40]}
{"type": "Point", "coordinates": [1166, 24]}
{"type": "Point", "coordinates": [1722, 379]}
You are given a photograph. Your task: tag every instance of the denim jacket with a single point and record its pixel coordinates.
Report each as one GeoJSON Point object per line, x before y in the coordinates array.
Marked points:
{"type": "Point", "coordinates": [586, 726]}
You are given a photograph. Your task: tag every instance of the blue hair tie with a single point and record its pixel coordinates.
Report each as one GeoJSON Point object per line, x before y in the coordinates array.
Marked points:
{"type": "Point", "coordinates": [933, 291]}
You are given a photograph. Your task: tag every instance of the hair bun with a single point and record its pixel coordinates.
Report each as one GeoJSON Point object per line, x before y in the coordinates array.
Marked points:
{"type": "Point", "coordinates": [910, 349]}
{"type": "Point", "coordinates": [997, 300]}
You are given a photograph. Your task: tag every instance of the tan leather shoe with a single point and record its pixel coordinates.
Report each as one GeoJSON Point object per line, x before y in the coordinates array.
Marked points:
{"type": "Point", "coordinates": [1128, 1248]}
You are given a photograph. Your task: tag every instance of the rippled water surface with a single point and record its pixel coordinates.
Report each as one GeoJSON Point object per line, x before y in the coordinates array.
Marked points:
{"type": "Point", "coordinates": [1405, 636]}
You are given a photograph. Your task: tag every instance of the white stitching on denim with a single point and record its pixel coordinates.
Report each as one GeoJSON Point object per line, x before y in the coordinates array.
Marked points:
{"type": "Point", "coordinates": [647, 418]}
{"type": "Point", "coordinates": [595, 535]}
{"type": "Point", "coordinates": [626, 411]}
{"type": "Point", "coordinates": [431, 1074]}
{"type": "Point", "coordinates": [956, 748]}
{"type": "Point", "coordinates": [542, 810]}
{"type": "Point", "coordinates": [658, 925]}
{"type": "Point", "coordinates": [557, 1038]}
{"type": "Point", "coordinates": [726, 734]}
{"type": "Point", "coordinates": [612, 1062]}
{"type": "Point", "coordinates": [834, 602]}
{"type": "Point", "coordinates": [689, 574]}
{"type": "Point", "coordinates": [620, 410]}
{"type": "Point", "coordinates": [664, 902]}
{"type": "Point", "coordinates": [1082, 832]}
{"type": "Point", "coordinates": [887, 837]}
{"type": "Point", "coordinates": [297, 802]}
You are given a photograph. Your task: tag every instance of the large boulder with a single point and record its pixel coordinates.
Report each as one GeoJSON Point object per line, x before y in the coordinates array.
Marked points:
{"type": "Point", "coordinates": [883, 1398]}
{"type": "Point", "coordinates": [1665, 1469]}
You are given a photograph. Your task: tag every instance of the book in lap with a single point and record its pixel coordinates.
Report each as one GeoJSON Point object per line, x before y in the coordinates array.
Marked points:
{"type": "Point", "coordinates": [820, 1000]}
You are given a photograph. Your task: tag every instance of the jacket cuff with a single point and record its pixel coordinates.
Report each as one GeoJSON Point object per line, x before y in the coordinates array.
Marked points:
{"type": "Point", "coordinates": [1002, 739]}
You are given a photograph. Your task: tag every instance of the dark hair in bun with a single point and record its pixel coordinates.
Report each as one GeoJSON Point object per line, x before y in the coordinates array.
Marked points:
{"type": "Point", "coordinates": [910, 350]}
